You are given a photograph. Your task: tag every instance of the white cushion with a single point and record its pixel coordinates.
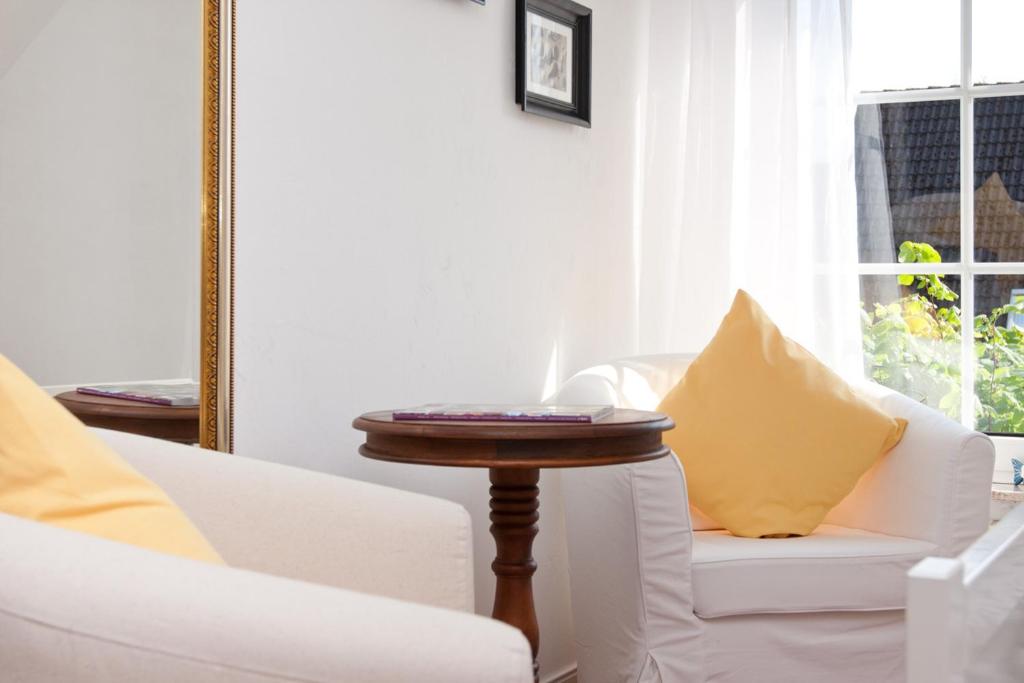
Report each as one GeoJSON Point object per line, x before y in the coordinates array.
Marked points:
{"type": "Point", "coordinates": [833, 569]}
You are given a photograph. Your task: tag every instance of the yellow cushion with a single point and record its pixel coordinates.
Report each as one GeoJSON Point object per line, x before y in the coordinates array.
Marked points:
{"type": "Point", "coordinates": [53, 470]}
{"type": "Point", "coordinates": [770, 439]}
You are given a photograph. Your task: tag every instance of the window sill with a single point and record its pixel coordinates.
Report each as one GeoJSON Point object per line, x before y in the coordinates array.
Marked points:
{"type": "Point", "coordinates": [1004, 498]}
{"type": "Point", "coordinates": [1008, 493]}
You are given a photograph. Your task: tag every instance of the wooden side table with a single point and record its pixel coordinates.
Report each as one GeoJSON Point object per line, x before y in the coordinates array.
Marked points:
{"type": "Point", "coordinates": [515, 452]}
{"type": "Point", "coordinates": [173, 423]}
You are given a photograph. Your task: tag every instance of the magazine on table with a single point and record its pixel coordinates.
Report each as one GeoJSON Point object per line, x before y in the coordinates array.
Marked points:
{"type": "Point", "coordinates": [176, 394]}
{"type": "Point", "coordinates": [460, 412]}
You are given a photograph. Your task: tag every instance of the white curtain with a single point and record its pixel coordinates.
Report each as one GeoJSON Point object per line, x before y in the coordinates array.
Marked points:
{"type": "Point", "coordinates": [745, 168]}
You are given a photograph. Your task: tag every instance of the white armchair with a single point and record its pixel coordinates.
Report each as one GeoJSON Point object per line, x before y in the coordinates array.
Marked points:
{"type": "Point", "coordinates": [694, 604]}
{"type": "Point", "coordinates": [330, 580]}
{"type": "Point", "coordinates": [965, 615]}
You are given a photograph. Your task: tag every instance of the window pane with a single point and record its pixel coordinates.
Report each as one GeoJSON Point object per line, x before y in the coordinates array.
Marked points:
{"type": "Point", "coordinates": [908, 178]}
{"type": "Point", "coordinates": [999, 347]}
{"type": "Point", "coordinates": [998, 57]}
{"type": "Point", "coordinates": [906, 44]}
{"type": "Point", "coordinates": [912, 337]}
{"type": "Point", "coordinates": [999, 179]}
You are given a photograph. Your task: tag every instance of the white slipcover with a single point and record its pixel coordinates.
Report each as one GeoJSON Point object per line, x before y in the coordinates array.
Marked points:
{"type": "Point", "coordinates": [331, 580]}
{"type": "Point", "coordinates": [701, 606]}
{"type": "Point", "coordinates": [835, 568]}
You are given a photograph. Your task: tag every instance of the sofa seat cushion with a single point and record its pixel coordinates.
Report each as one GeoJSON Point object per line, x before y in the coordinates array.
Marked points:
{"type": "Point", "coordinates": [833, 569]}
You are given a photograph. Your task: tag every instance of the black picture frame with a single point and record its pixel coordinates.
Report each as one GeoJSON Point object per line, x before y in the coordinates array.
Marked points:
{"type": "Point", "coordinates": [579, 19]}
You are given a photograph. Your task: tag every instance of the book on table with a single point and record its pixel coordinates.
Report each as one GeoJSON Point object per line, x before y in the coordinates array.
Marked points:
{"type": "Point", "coordinates": [468, 412]}
{"type": "Point", "coordinates": [166, 394]}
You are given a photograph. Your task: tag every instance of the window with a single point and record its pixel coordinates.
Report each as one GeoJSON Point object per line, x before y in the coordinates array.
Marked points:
{"type": "Point", "coordinates": [940, 201]}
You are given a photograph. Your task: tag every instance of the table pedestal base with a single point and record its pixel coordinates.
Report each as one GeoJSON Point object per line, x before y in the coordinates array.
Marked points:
{"type": "Point", "coordinates": [514, 517]}
{"type": "Point", "coordinates": [514, 453]}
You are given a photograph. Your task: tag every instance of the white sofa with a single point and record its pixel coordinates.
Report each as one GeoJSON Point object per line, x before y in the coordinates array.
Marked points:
{"type": "Point", "coordinates": [694, 604]}
{"type": "Point", "coordinates": [330, 580]}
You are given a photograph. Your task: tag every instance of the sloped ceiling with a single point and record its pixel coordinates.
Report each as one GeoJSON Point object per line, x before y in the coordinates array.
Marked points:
{"type": "Point", "coordinates": [20, 22]}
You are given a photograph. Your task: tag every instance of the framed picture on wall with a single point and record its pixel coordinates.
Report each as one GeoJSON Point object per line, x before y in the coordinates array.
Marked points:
{"type": "Point", "coordinates": [553, 54]}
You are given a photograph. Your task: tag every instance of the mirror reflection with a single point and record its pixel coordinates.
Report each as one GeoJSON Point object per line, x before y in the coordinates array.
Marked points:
{"type": "Point", "coordinates": [100, 162]}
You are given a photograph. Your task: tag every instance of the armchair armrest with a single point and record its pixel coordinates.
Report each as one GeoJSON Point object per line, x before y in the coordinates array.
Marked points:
{"type": "Point", "coordinates": [629, 537]}
{"type": "Point", "coordinates": [643, 513]}
{"type": "Point", "coordinates": [315, 527]}
{"type": "Point", "coordinates": [935, 485]}
{"type": "Point", "coordinates": [78, 608]}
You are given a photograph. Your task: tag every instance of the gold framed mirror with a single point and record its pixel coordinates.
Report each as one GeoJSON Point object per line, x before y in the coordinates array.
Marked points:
{"type": "Point", "coordinates": [117, 209]}
{"type": "Point", "coordinates": [216, 348]}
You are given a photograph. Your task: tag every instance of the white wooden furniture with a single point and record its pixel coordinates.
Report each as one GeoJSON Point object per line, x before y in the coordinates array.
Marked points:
{"type": "Point", "coordinates": [330, 580]}
{"type": "Point", "coordinates": [965, 615]}
{"type": "Point", "coordinates": [661, 596]}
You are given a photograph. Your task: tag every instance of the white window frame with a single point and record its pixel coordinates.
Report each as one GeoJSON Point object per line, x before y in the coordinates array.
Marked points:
{"type": "Point", "coordinates": [966, 93]}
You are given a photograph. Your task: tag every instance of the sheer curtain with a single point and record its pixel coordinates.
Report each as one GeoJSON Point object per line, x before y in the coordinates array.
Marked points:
{"type": "Point", "coordinates": [746, 178]}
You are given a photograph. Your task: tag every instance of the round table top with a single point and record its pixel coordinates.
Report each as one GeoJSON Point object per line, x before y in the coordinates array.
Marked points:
{"type": "Point", "coordinates": [88, 404]}
{"type": "Point", "coordinates": [622, 437]}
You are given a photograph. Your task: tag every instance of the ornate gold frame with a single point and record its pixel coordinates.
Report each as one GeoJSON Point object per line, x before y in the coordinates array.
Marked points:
{"type": "Point", "coordinates": [216, 346]}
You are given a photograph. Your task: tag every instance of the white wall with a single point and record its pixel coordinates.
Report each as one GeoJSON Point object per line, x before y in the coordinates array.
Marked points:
{"type": "Point", "coordinates": [406, 235]}
{"type": "Point", "coordinates": [100, 120]}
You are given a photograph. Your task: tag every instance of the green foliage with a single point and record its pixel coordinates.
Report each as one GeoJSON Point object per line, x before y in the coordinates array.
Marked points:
{"type": "Point", "coordinates": [999, 373]}
{"type": "Point", "coordinates": [921, 252]}
{"type": "Point", "coordinates": [913, 346]}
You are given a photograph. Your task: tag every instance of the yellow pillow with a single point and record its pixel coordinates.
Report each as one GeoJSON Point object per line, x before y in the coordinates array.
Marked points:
{"type": "Point", "coordinates": [770, 439]}
{"type": "Point", "coordinates": [53, 470]}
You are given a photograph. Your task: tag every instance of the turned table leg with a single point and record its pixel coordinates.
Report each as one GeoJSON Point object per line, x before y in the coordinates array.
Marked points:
{"type": "Point", "coordinates": [514, 517]}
